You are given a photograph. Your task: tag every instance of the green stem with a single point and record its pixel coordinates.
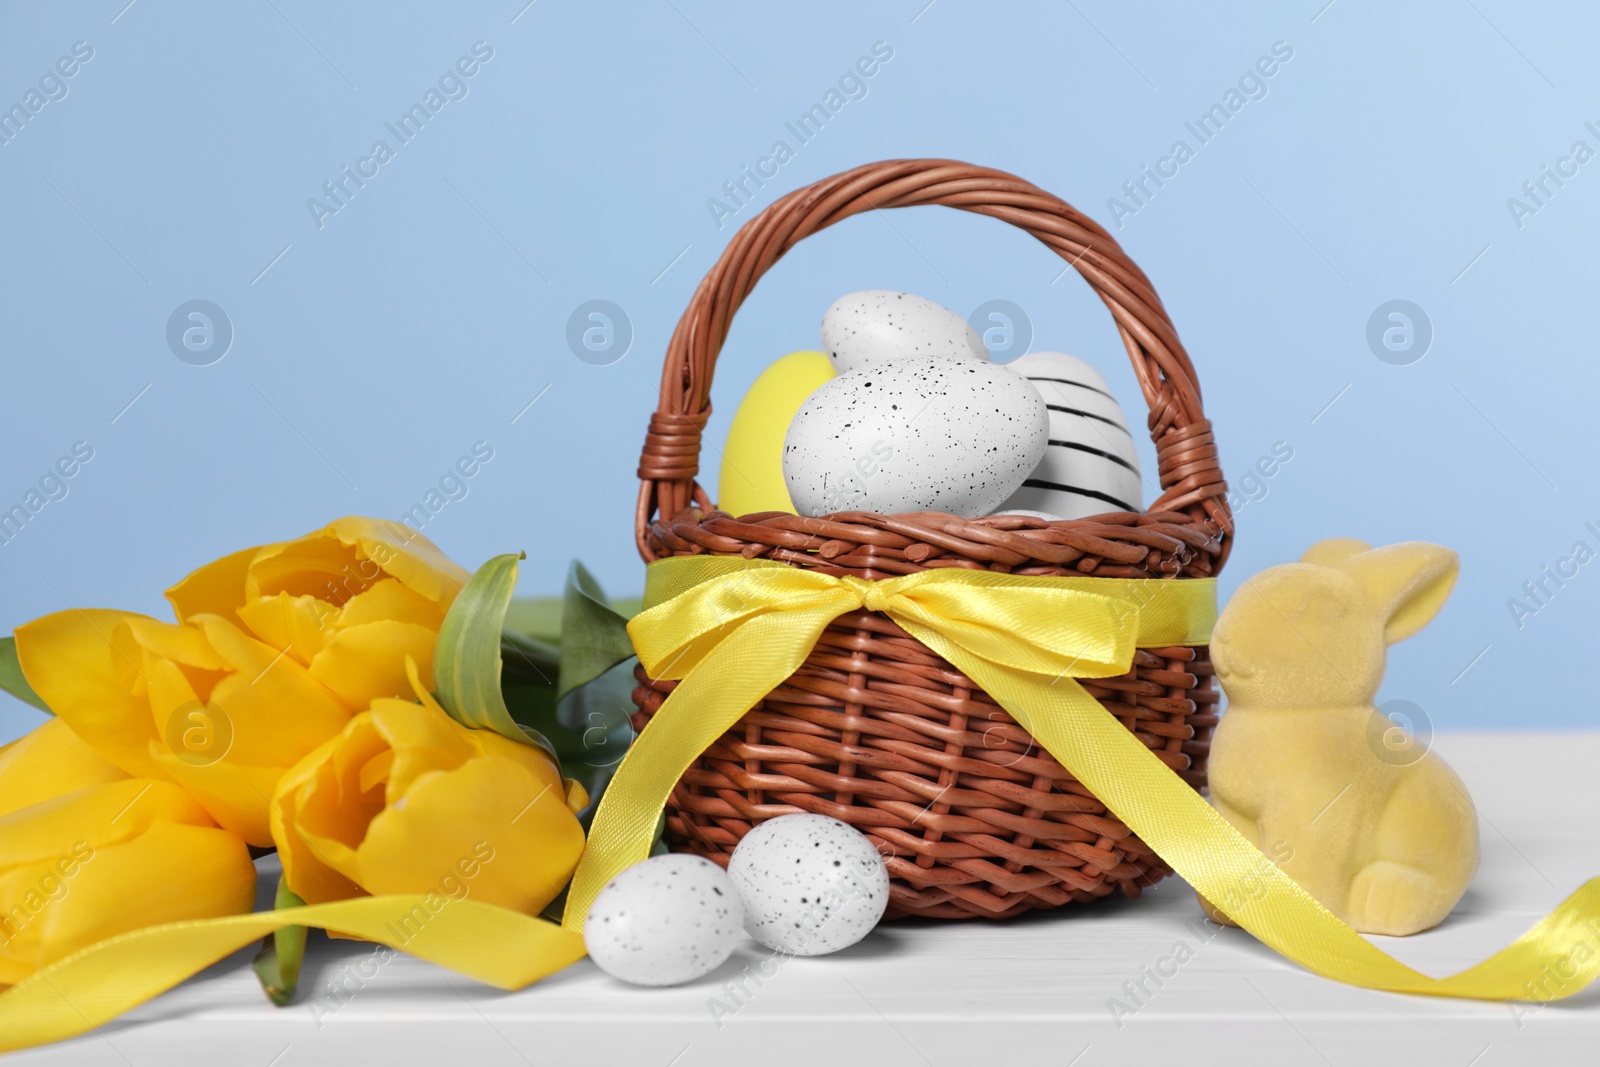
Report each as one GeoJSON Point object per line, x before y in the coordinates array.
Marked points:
{"type": "Point", "coordinates": [277, 965]}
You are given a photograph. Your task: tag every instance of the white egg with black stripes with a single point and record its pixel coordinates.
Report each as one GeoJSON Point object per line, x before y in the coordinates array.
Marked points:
{"type": "Point", "coordinates": [1090, 467]}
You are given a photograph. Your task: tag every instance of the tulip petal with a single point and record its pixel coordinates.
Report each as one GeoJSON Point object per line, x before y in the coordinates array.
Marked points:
{"type": "Point", "coordinates": [406, 554]}
{"type": "Point", "coordinates": [438, 838]}
{"type": "Point", "coordinates": [235, 795]}
{"type": "Point", "coordinates": [272, 726]}
{"type": "Point", "coordinates": [323, 809]}
{"type": "Point", "coordinates": [167, 874]}
{"type": "Point", "coordinates": [49, 762]}
{"type": "Point", "coordinates": [308, 866]}
{"type": "Point", "coordinates": [424, 740]}
{"type": "Point", "coordinates": [176, 665]}
{"type": "Point", "coordinates": [318, 564]}
{"type": "Point", "coordinates": [296, 622]}
{"type": "Point", "coordinates": [98, 816]}
{"type": "Point", "coordinates": [365, 663]}
{"type": "Point", "coordinates": [72, 663]}
{"type": "Point", "coordinates": [390, 599]}
{"type": "Point", "coordinates": [536, 760]}
{"type": "Point", "coordinates": [215, 589]}
{"type": "Point", "coordinates": [337, 803]}
{"type": "Point", "coordinates": [167, 693]}
{"type": "Point", "coordinates": [184, 645]}
{"type": "Point", "coordinates": [423, 694]}
{"type": "Point", "coordinates": [278, 710]}
{"type": "Point", "coordinates": [26, 893]}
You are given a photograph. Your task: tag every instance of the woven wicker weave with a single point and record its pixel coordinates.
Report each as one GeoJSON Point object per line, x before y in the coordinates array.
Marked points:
{"type": "Point", "coordinates": [973, 818]}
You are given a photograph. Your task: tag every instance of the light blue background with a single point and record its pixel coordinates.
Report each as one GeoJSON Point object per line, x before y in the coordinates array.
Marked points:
{"type": "Point", "coordinates": [427, 313]}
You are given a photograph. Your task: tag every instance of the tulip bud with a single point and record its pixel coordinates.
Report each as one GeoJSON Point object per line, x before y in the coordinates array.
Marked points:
{"type": "Point", "coordinates": [102, 861]}
{"type": "Point", "coordinates": [275, 648]}
{"type": "Point", "coordinates": [48, 762]}
{"type": "Point", "coordinates": [407, 800]}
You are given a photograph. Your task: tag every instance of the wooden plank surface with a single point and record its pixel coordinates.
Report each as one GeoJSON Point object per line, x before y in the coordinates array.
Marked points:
{"type": "Point", "coordinates": [1035, 991]}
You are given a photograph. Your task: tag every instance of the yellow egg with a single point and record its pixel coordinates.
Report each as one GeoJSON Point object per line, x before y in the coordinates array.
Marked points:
{"type": "Point", "coordinates": [752, 462]}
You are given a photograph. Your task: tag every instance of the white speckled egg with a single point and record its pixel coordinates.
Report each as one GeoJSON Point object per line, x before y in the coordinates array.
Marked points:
{"type": "Point", "coordinates": [1090, 466]}
{"type": "Point", "coordinates": [868, 327]}
{"type": "Point", "coordinates": [810, 884]}
{"type": "Point", "coordinates": [666, 920]}
{"type": "Point", "coordinates": [935, 434]}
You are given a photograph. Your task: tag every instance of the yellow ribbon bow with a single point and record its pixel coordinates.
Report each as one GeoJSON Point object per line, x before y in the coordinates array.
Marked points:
{"type": "Point", "coordinates": [732, 629]}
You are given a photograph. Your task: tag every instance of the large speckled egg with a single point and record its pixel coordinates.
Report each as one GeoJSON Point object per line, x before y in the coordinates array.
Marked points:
{"type": "Point", "coordinates": [874, 325]}
{"type": "Point", "coordinates": [810, 884]}
{"type": "Point", "coordinates": [666, 920]}
{"type": "Point", "coordinates": [1090, 466]}
{"type": "Point", "coordinates": [949, 435]}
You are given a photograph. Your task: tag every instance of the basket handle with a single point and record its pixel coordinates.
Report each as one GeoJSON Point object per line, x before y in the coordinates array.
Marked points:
{"type": "Point", "coordinates": [1191, 480]}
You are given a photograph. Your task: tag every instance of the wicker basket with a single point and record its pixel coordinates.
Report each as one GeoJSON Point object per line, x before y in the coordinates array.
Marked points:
{"type": "Point", "coordinates": [972, 817]}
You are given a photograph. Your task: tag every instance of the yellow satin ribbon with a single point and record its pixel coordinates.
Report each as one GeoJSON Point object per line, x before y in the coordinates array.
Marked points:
{"type": "Point", "coordinates": [77, 993]}
{"type": "Point", "coordinates": [732, 629]}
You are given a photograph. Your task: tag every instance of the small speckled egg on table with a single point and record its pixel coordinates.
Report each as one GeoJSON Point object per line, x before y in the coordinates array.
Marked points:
{"type": "Point", "coordinates": [934, 434]}
{"type": "Point", "coordinates": [810, 884]}
{"type": "Point", "coordinates": [874, 325]}
{"type": "Point", "coordinates": [666, 920]}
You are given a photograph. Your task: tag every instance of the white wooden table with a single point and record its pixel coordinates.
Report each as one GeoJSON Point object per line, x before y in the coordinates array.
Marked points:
{"type": "Point", "coordinates": [1030, 992]}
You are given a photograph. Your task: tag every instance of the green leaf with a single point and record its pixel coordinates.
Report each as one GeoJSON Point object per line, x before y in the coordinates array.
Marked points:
{"type": "Point", "coordinates": [11, 678]}
{"type": "Point", "coordinates": [585, 714]}
{"type": "Point", "coordinates": [539, 617]}
{"type": "Point", "coordinates": [467, 658]}
{"type": "Point", "coordinates": [530, 657]}
{"type": "Point", "coordinates": [594, 635]}
{"type": "Point", "coordinates": [531, 703]}
{"type": "Point", "coordinates": [277, 965]}
{"type": "Point", "coordinates": [592, 731]}
{"type": "Point", "coordinates": [588, 728]}
{"type": "Point", "coordinates": [535, 616]}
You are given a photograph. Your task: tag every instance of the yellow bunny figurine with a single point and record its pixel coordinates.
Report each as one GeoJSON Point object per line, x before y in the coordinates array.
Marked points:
{"type": "Point", "coordinates": [1373, 825]}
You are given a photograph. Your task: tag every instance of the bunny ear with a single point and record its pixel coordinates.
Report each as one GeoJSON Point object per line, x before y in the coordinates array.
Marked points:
{"type": "Point", "coordinates": [1408, 582]}
{"type": "Point", "coordinates": [1334, 551]}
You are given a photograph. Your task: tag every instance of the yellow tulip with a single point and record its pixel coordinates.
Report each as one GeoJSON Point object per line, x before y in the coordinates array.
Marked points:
{"type": "Point", "coordinates": [275, 648]}
{"type": "Point", "coordinates": [407, 800]}
{"type": "Point", "coordinates": [47, 762]}
{"type": "Point", "coordinates": [752, 461]}
{"type": "Point", "coordinates": [105, 860]}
